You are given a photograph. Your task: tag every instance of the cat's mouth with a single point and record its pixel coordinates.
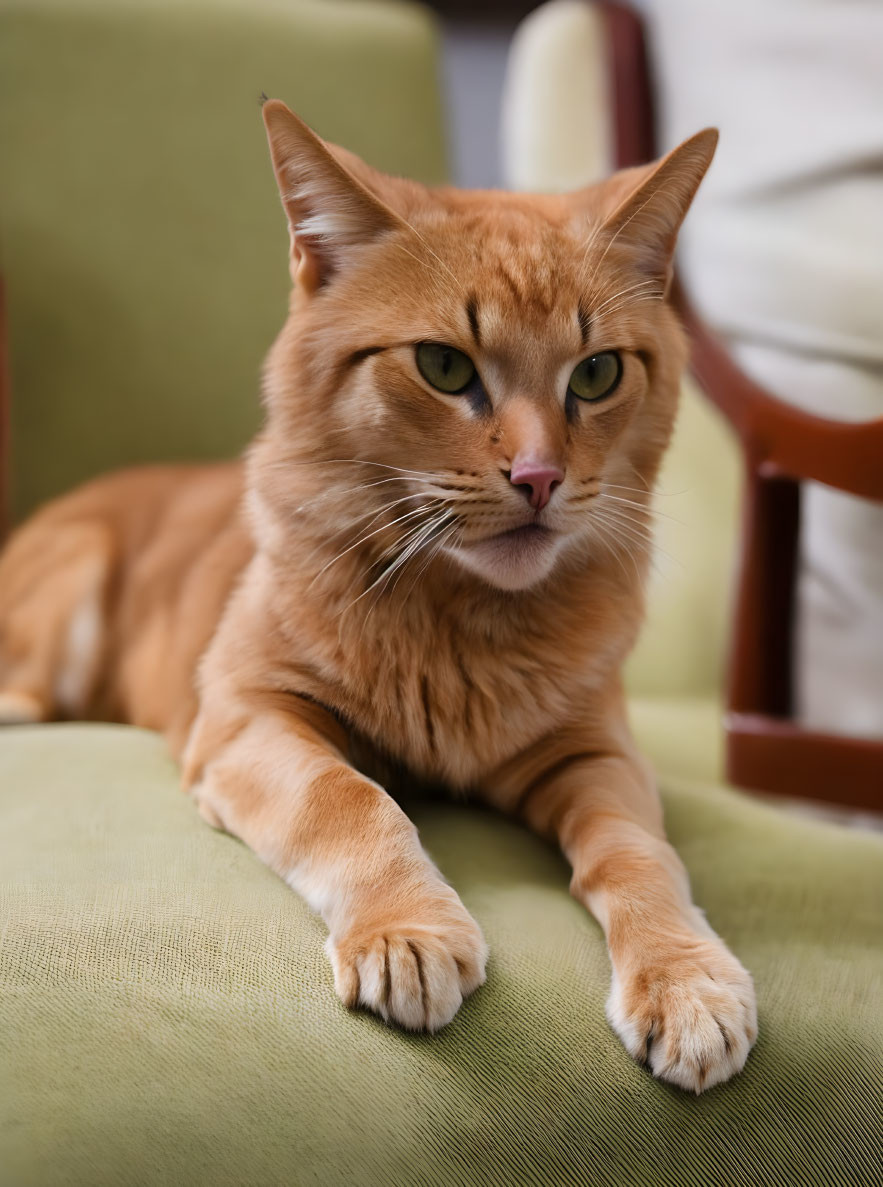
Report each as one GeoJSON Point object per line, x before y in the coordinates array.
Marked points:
{"type": "Point", "coordinates": [514, 559]}
{"type": "Point", "coordinates": [526, 535]}
{"type": "Point", "coordinates": [526, 531]}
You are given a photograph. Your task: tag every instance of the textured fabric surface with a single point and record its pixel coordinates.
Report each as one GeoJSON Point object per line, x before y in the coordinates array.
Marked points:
{"type": "Point", "coordinates": [681, 651]}
{"type": "Point", "coordinates": [682, 736]}
{"type": "Point", "coordinates": [143, 244]}
{"type": "Point", "coordinates": [167, 1013]}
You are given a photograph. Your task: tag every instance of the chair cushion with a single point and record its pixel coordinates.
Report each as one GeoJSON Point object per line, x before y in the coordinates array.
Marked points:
{"type": "Point", "coordinates": [167, 1013]}
{"type": "Point", "coordinates": [682, 648]}
{"type": "Point", "coordinates": [682, 736]}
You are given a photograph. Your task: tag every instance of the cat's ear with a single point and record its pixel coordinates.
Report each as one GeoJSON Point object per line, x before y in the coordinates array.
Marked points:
{"type": "Point", "coordinates": [329, 210]}
{"type": "Point", "coordinates": [654, 201]}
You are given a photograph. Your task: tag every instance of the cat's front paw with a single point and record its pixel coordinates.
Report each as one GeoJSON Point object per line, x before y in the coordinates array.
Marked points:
{"type": "Point", "coordinates": [412, 971]}
{"type": "Point", "coordinates": [689, 1016]}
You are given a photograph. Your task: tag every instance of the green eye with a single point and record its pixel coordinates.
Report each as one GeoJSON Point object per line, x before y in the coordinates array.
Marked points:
{"type": "Point", "coordinates": [444, 367]}
{"type": "Point", "coordinates": [597, 377]}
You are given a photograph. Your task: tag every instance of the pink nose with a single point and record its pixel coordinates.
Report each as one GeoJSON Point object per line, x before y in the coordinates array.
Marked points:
{"type": "Point", "coordinates": [536, 480]}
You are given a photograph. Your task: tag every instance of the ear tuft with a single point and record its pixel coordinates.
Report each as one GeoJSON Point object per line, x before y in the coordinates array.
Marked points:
{"type": "Point", "coordinates": [328, 209]}
{"type": "Point", "coordinates": [648, 220]}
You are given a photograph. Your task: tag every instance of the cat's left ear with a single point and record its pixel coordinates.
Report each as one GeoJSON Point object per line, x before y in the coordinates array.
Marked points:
{"type": "Point", "coordinates": [647, 220]}
{"type": "Point", "coordinates": [329, 211]}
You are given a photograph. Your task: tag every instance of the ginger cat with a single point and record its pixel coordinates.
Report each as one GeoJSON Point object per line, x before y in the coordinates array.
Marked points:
{"type": "Point", "coordinates": [429, 568]}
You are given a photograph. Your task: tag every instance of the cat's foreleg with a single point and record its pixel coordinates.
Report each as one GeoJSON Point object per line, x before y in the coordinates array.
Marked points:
{"type": "Point", "coordinates": [401, 942]}
{"type": "Point", "coordinates": [680, 1001]}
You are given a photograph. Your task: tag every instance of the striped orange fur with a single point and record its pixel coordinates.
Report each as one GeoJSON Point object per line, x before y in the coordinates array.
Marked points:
{"type": "Point", "coordinates": [405, 583]}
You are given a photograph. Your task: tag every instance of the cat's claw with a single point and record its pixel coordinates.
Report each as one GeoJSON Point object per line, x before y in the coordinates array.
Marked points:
{"type": "Point", "coordinates": [692, 1022]}
{"type": "Point", "coordinates": [413, 975]}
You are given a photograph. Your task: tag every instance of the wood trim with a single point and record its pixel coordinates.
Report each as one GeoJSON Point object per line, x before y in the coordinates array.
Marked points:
{"type": "Point", "coordinates": [779, 437]}
{"type": "Point", "coordinates": [629, 86]}
{"type": "Point", "coordinates": [766, 754]}
{"type": "Point", "coordinates": [759, 672]}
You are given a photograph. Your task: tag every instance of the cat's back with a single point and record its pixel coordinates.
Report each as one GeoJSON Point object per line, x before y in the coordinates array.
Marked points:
{"type": "Point", "coordinates": [111, 592]}
{"type": "Point", "coordinates": [130, 500]}
{"type": "Point", "coordinates": [161, 512]}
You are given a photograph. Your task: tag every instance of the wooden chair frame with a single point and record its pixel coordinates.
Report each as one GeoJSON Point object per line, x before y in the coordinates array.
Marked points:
{"type": "Point", "coordinates": [765, 748]}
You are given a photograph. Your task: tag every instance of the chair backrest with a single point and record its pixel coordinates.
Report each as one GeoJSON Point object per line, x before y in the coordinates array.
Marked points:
{"type": "Point", "coordinates": [143, 245]}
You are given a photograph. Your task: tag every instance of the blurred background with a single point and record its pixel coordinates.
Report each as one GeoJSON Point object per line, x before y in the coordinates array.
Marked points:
{"type": "Point", "coordinates": [476, 39]}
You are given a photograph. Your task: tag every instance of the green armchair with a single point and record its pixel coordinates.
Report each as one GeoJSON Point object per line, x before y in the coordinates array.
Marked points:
{"type": "Point", "coordinates": [166, 1011]}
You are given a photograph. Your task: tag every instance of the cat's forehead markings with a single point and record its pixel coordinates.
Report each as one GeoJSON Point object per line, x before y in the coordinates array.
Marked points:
{"type": "Point", "coordinates": [472, 317]}
{"type": "Point", "coordinates": [523, 287]}
{"type": "Point", "coordinates": [525, 277]}
{"type": "Point", "coordinates": [520, 284]}
{"type": "Point", "coordinates": [585, 323]}
{"type": "Point", "coordinates": [517, 305]}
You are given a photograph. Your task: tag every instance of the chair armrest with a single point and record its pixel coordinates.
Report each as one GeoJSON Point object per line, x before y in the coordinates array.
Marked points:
{"type": "Point", "coordinates": [778, 437]}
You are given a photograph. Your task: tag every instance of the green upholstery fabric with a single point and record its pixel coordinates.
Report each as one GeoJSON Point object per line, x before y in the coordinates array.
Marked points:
{"type": "Point", "coordinates": [142, 239]}
{"type": "Point", "coordinates": [682, 648]}
{"type": "Point", "coordinates": [169, 1018]}
{"type": "Point", "coordinates": [683, 737]}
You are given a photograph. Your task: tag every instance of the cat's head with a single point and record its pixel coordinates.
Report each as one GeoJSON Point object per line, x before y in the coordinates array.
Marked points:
{"type": "Point", "coordinates": [481, 376]}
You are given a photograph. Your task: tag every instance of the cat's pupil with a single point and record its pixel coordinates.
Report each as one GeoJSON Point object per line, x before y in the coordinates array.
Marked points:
{"type": "Point", "coordinates": [447, 360]}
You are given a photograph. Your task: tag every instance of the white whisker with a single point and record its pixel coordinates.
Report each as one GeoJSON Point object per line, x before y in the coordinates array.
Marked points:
{"type": "Point", "coordinates": [423, 533]}
{"type": "Point", "coordinates": [335, 493]}
{"type": "Point", "coordinates": [639, 531]}
{"type": "Point", "coordinates": [424, 263]}
{"type": "Point", "coordinates": [639, 534]}
{"type": "Point", "coordinates": [642, 286]}
{"type": "Point", "coordinates": [637, 537]}
{"type": "Point", "coordinates": [433, 551]}
{"type": "Point", "coordinates": [414, 231]}
{"type": "Point", "coordinates": [620, 230]}
{"type": "Point", "coordinates": [616, 544]}
{"type": "Point", "coordinates": [645, 490]}
{"type": "Point", "coordinates": [638, 506]}
{"type": "Point", "coordinates": [364, 539]}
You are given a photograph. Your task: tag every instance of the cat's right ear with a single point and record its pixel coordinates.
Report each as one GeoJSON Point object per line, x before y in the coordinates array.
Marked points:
{"type": "Point", "coordinates": [329, 211]}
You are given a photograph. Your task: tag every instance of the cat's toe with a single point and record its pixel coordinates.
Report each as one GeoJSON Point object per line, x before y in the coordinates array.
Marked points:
{"type": "Point", "coordinates": [414, 976]}
{"type": "Point", "coordinates": [691, 1022]}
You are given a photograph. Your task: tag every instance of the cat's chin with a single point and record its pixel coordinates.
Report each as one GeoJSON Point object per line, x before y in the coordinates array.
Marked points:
{"type": "Point", "coordinates": [512, 560]}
